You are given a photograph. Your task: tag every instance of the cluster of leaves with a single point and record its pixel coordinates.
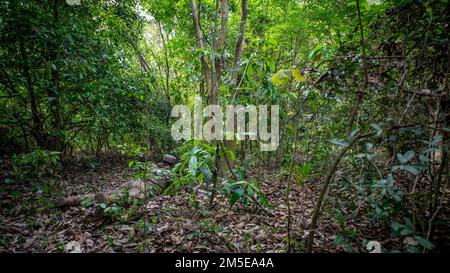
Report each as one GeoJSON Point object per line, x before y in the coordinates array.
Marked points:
{"type": "Point", "coordinates": [196, 166]}
{"type": "Point", "coordinates": [243, 191]}
{"type": "Point", "coordinates": [35, 165]}
{"type": "Point", "coordinates": [69, 79]}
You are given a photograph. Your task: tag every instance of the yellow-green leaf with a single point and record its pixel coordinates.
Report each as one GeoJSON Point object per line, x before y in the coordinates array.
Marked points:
{"type": "Point", "coordinates": [297, 75]}
{"type": "Point", "coordinates": [280, 77]}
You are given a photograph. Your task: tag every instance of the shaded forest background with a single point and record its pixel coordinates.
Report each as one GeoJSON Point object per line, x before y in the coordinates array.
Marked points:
{"type": "Point", "coordinates": [86, 93]}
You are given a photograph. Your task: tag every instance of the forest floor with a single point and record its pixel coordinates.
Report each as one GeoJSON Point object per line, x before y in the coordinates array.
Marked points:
{"type": "Point", "coordinates": [30, 223]}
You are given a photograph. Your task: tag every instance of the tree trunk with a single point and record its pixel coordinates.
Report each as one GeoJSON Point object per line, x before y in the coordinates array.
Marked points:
{"type": "Point", "coordinates": [239, 42]}
{"type": "Point", "coordinates": [199, 38]}
{"type": "Point", "coordinates": [55, 142]}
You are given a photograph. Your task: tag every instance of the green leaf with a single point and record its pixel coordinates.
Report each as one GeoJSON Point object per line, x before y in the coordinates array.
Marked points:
{"type": "Point", "coordinates": [236, 195]}
{"type": "Point", "coordinates": [396, 226]}
{"type": "Point", "coordinates": [339, 142]}
{"type": "Point", "coordinates": [207, 173]}
{"type": "Point", "coordinates": [200, 177]}
{"type": "Point", "coordinates": [263, 199]}
{"type": "Point", "coordinates": [377, 128]}
{"type": "Point", "coordinates": [306, 169]}
{"type": "Point", "coordinates": [400, 158]}
{"type": "Point", "coordinates": [436, 140]}
{"type": "Point", "coordinates": [353, 134]}
{"type": "Point", "coordinates": [408, 156]}
{"type": "Point", "coordinates": [424, 242]}
{"type": "Point", "coordinates": [193, 165]}
{"type": "Point", "coordinates": [250, 71]}
{"type": "Point", "coordinates": [409, 168]}
{"type": "Point", "coordinates": [369, 147]}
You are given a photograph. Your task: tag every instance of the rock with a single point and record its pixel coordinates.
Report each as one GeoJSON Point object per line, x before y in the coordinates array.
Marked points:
{"type": "Point", "coordinates": [73, 247]}
{"type": "Point", "coordinates": [136, 193]}
{"type": "Point", "coordinates": [73, 200]}
{"type": "Point", "coordinates": [169, 160]}
{"type": "Point", "coordinates": [162, 165]}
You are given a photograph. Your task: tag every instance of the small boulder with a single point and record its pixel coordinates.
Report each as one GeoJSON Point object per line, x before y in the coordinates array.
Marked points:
{"type": "Point", "coordinates": [169, 160]}
{"type": "Point", "coordinates": [162, 165]}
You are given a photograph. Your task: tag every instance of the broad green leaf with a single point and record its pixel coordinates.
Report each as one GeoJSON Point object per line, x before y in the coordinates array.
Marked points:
{"type": "Point", "coordinates": [193, 165]}
{"type": "Point", "coordinates": [207, 173]}
{"type": "Point", "coordinates": [411, 169]}
{"type": "Point", "coordinates": [424, 242]}
{"type": "Point", "coordinates": [236, 195]}
{"type": "Point", "coordinates": [250, 71]}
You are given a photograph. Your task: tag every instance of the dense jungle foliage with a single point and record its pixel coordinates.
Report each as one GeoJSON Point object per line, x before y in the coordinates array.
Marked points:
{"type": "Point", "coordinates": [86, 96]}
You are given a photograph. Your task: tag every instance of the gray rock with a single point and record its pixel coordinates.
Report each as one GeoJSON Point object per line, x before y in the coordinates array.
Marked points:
{"type": "Point", "coordinates": [169, 160]}
{"type": "Point", "coordinates": [162, 165]}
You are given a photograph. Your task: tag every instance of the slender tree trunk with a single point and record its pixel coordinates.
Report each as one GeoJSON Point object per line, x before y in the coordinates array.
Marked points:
{"type": "Point", "coordinates": [223, 24]}
{"type": "Point", "coordinates": [55, 141]}
{"type": "Point", "coordinates": [221, 63]}
{"type": "Point", "coordinates": [166, 57]}
{"type": "Point", "coordinates": [238, 48]}
{"type": "Point", "coordinates": [323, 190]}
{"type": "Point", "coordinates": [199, 37]}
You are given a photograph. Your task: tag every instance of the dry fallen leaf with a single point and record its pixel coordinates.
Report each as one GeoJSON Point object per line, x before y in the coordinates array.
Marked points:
{"type": "Point", "coordinates": [410, 241]}
{"type": "Point", "coordinates": [29, 242]}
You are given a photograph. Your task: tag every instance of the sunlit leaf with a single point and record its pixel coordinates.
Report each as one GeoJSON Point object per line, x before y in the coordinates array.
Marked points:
{"type": "Point", "coordinates": [297, 75]}
{"type": "Point", "coordinates": [280, 78]}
